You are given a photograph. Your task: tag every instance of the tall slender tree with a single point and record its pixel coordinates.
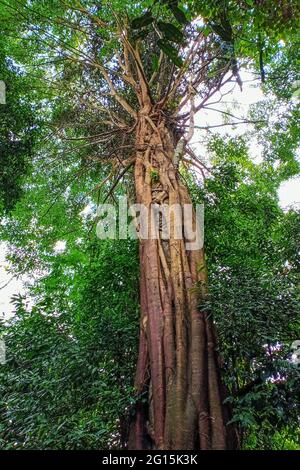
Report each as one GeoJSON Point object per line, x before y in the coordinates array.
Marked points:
{"type": "Point", "coordinates": [137, 73]}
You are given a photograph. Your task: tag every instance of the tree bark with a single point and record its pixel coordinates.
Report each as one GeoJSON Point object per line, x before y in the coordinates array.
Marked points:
{"type": "Point", "coordinates": [179, 392]}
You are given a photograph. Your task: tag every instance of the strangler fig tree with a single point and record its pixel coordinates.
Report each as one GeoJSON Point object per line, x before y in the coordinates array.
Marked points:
{"type": "Point", "coordinates": [125, 80]}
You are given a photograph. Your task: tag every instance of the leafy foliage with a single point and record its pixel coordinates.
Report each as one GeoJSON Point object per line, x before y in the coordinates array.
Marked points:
{"type": "Point", "coordinates": [17, 131]}
{"type": "Point", "coordinates": [254, 293]}
{"type": "Point", "coordinates": [67, 381]}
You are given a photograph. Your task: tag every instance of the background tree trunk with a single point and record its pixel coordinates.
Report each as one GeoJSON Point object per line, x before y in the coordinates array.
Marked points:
{"type": "Point", "coordinates": [180, 397]}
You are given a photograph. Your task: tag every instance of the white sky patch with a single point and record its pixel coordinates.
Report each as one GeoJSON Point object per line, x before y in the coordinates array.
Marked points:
{"type": "Point", "coordinates": [289, 193]}
{"type": "Point", "coordinates": [89, 209]}
{"type": "Point", "coordinates": [60, 246]}
{"type": "Point", "coordinates": [238, 103]}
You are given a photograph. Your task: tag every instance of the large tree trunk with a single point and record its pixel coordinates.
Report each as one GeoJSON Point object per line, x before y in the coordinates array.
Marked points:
{"type": "Point", "coordinates": [180, 396]}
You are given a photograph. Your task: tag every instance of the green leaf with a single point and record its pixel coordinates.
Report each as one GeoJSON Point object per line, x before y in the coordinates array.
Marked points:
{"type": "Point", "coordinates": [155, 63]}
{"type": "Point", "coordinates": [142, 21]}
{"type": "Point", "coordinates": [222, 31]}
{"type": "Point", "coordinates": [206, 30]}
{"type": "Point", "coordinates": [170, 51]}
{"type": "Point", "coordinates": [140, 35]}
{"type": "Point", "coordinates": [171, 32]}
{"type": "Point", "coordinates": [179, 14]}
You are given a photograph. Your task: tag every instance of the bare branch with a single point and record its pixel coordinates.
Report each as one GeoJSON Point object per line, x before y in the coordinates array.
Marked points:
{"type": "Point", "coordinates": [190, 55]}
{"type": "Point", "coordinates": [76, 6]}
{"type": "Point", "coordinates": [156, 72]}
{"type": "Point", "coordinates": [194, 157]}
{"type": "Point", "coordinates": [224, 112]}
{"type": "Point", "coordinates": [123, 172]}
{"type": "Point", "coordinates": [193, 163]}
{"type": "Point", "coordinates": [230, 124]}
{"type": "Point", "coordinates": [114, 93]}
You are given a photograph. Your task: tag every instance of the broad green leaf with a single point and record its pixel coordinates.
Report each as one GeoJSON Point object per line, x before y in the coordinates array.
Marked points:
{"type": "Point", "coordinates": [171, 32]}
{"type": "Point", "coordinates": [142, 21]}
{"type": "Point", "coordinates": [170, 51]}
{"type": "Point", "coordinates": [155, 60]}
{"type": "Point", "coordinates": [141, 34]}
{"type": "Point", "coordinates": [179, 14]}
